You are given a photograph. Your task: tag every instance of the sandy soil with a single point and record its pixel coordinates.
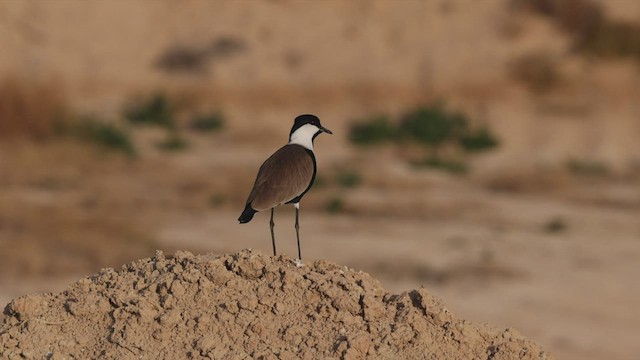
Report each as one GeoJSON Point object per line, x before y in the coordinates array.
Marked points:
{"type": "Point", "coordinates": [488, 255]}
{"type": "Point", "coordinates": [484, 247]}
{"type": "Point", "coordinates": [245, 305]}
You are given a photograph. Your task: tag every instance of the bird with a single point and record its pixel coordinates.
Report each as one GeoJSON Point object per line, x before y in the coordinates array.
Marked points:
{"type": "Point", "coordinates": [287, 175]}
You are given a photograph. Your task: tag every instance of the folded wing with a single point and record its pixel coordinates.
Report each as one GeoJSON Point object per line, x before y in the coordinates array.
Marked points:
{"type": "Point", "coordinates": [283, 176]}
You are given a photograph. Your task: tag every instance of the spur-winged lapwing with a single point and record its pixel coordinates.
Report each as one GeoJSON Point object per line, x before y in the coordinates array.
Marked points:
{"type": "Point", "coordinates": [286, 175]}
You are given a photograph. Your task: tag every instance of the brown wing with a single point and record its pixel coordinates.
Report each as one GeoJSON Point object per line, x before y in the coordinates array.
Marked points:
{"type": "Point", "coordinates": [282, 177]}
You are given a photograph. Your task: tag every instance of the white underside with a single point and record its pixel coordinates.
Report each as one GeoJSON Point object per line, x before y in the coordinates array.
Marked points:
{"type": "Point", "coordinates": [303, 136]}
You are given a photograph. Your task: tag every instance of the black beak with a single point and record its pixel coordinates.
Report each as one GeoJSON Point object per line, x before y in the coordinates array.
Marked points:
{"type": "Point", "coordinates": [325, 130]}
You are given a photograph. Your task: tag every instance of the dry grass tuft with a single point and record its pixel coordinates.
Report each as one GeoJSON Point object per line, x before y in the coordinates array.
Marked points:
{"type": "Point", "coordinates": [30, 109]}
{"type": "Point", "coordinates": [587, 23]}
{"type": "Point", "coordinates": [537, 71]}
{"type": "Point", "coordinates": [542, 180]}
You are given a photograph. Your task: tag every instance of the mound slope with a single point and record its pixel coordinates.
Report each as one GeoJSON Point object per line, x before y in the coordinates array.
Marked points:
{"type": "Point", "coordinates": [245, 305]}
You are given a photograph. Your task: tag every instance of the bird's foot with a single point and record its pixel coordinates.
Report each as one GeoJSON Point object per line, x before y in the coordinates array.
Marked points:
{"type": "Point", "coordinates": [298, 262]}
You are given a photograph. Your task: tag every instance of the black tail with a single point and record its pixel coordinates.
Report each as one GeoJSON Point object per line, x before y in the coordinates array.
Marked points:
{"type": "Point", "coordinates": [247, 214]}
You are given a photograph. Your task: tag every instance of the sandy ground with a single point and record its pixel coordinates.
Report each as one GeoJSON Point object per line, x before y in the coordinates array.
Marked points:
{"type": "Point", "coordinates": [245, 305]}
{"type": "Point", "coordinates": [573, 291]}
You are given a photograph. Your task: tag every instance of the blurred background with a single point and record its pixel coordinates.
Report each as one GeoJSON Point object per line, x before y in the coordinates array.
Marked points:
{"type": "Point", "coordinates": [487, 150]}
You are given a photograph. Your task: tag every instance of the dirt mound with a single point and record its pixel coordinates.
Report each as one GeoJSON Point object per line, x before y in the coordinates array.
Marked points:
{"type": "Point", "coordinates": [245, 305]}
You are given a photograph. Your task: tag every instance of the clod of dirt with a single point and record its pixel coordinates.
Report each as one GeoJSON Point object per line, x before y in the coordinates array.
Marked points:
{"type": "Point", "coordinates": [245, 305]}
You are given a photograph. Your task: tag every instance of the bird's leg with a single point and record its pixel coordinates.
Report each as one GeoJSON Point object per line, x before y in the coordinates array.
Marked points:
{"type": "Point", "coordinates": [273, 238]}
{"type": "Point", "coordinates": [297, 205]}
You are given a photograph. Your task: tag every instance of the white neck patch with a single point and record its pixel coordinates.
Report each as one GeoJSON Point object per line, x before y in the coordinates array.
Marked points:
{"type": "Point", "coordinates": [304, 136]}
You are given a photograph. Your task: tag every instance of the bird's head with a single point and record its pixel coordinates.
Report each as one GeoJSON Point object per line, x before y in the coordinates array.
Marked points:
{"type": "Point", "coordinates": [305, 129]}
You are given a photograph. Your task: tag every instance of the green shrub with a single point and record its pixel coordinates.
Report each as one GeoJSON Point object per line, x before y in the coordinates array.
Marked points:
{"type": "Point", "coordinates": [105, 134]}
{"type": "Point", "coordinates": [348, 179]}
{"type": "Point", "coordinates": [555, 225]}
{"type": "Point", "coordinates": [156, 110]}
{"type": "Point", "coordinates": [434, 128]}
{"type": "Point", "coordinates": [587, 167]}
{"type": "Point", "coordinates": [479, 140]}
{"type": "Point", "coordinates": [216, 200]}
{"type": "Point", "coordinates": [373, 130]}
{"type": "Point", "coordinates": [173, 142]}
{"type": "Point", "coordinates": [335, 205]}
{"type": "Point", "coordinates": [207, 122]}
{"type": "Point", "coordinates": [433, 125]}
{"type": "Point", "coordinates": [448, 165]}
